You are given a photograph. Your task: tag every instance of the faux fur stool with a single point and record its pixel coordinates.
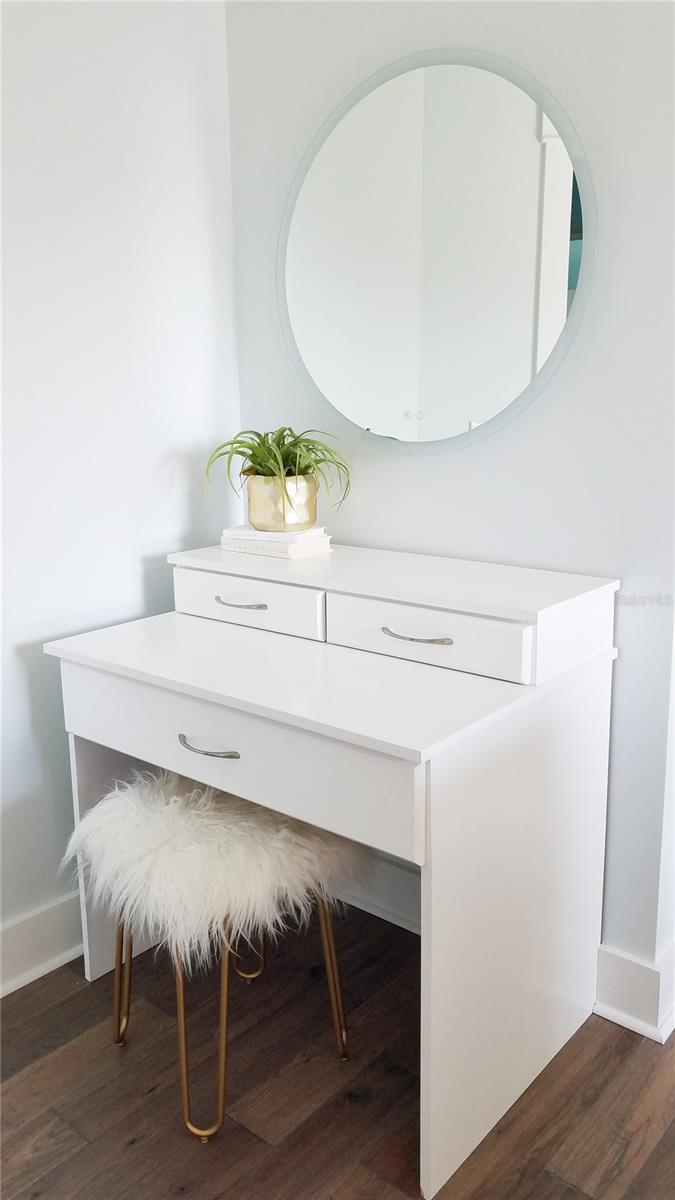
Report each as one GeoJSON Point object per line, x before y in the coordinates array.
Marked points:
{"type": "Point", "coordinates": [201, 871]}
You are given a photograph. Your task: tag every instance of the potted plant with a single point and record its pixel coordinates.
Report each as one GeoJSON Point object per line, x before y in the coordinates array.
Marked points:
{"type": "Point", "coordinates": [283, 472]}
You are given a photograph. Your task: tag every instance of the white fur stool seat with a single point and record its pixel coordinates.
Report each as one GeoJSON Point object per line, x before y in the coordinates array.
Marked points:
{"type": "Point", "coordinates": [199, 870]}
{"type": "Point", "coordinates": [184, 863]}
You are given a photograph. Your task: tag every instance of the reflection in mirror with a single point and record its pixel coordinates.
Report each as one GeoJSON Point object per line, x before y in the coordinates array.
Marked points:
{"type": "Point", "coordinates": [433, 253]}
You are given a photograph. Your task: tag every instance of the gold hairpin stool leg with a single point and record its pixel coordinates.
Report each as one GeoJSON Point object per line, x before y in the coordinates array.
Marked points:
{"type": "Point", "coordinates": [203, 1134]}
{"type": "Point", "coordinates": [249, 976]}
{"type": "Point", "coordinates": [333, 976]}
{"type": "Point", "coordinates": [123, 961]}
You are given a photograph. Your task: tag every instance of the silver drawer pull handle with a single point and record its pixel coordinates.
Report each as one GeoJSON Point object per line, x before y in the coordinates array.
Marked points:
{"type": "Point", "coordinates": [424, 641]}
{"type": "Point", "coordinates": [229, 604]}
{"type": "Point", "coordinates": [209, 753]}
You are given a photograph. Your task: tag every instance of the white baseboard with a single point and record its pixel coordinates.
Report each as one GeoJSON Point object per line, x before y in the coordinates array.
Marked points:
{"type": "Point", "coordinates": [40, 941]}
{"type": "Point", "coordinates": [637, 993]}
{"type": "Point", "coordinates": [390, 890]}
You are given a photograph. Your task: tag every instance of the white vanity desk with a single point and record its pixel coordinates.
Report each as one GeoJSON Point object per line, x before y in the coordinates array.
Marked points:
{"type": "Point", "coordinates": [490, 776]}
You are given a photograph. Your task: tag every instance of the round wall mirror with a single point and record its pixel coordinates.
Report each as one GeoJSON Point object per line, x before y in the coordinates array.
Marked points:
{"type": "Point", "coordinates": [431, 252]}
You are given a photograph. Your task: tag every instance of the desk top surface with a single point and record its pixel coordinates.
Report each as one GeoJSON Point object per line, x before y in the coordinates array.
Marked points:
{"type": "Point", "coordinates": [390, 705]}
{"type": "Point", "coordinates": [489, 589]}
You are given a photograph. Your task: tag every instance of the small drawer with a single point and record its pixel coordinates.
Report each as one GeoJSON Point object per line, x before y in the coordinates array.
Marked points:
{"type": "Point", "coordinates": [280, 607]}
{"type": "Point", "coordinates": [441, 637]}
{"type": "Point", "coordinates": [372, 798]}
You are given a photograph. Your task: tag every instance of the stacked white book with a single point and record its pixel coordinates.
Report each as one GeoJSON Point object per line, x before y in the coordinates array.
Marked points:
{"type": "Point", "coordinates": [244, 539]}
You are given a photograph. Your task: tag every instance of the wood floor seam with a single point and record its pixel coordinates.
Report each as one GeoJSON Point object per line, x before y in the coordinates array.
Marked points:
{"type": "Point", "coordinates": [568, 1184]}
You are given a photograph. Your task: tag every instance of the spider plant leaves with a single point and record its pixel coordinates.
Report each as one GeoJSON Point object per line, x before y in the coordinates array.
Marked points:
{"type": "Point", "coordinates": [283, 453]}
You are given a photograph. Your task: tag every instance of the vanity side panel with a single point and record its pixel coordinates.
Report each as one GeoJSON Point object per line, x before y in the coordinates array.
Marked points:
{"type": "Point", "coordinates": [573, 632]}
{"type": "Point", "coordinates": [511, 909]}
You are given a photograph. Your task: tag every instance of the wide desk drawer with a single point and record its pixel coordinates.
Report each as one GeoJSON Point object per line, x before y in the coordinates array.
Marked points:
{"type": "Point", "coordinates": [280, 607]}
{"type": "Point", "coordinates": [443, 638]}
{"type": "Point", "coordinates": [371, 798]}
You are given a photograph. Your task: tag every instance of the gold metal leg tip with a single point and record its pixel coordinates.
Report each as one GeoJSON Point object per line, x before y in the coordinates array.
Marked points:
{"type": "Point", "coordinates": [204, 1133]}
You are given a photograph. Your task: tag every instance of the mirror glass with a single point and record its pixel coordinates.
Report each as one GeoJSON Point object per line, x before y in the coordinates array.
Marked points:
{"type": "Point", "coordinates": [433, 253]}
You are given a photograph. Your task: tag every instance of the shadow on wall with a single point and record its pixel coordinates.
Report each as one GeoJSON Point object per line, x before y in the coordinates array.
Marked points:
{"type": "Point", "coordinates": [209, 506]}
{"type": "Point", "coordinates": [24, 819]}
{"type": "Point", "coordinates": [157, 584]}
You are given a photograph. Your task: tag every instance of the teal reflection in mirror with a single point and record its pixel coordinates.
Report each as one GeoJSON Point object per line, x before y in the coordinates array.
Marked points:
{"type": "Point", "coordinates": [433, 253]}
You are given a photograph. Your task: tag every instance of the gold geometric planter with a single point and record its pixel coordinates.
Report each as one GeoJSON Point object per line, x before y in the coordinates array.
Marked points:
{"type": "Point", "coordinates": [277, 506]}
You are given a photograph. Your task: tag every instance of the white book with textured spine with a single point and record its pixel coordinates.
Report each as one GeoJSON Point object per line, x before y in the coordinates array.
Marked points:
{"type": "Point", "coordinates": [277, 548]}
{"type": "Point", "coordinates": [240, 533]}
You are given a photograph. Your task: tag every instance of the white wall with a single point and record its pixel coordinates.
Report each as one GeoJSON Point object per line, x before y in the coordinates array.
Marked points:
{"type": "Point", "coordinates": [581, 481]}
{"type": "Point", "coordinates": [119, 369]}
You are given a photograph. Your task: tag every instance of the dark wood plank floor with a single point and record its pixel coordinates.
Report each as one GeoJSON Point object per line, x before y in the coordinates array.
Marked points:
{"type": "Point", "coordinates": [86, 1120]}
